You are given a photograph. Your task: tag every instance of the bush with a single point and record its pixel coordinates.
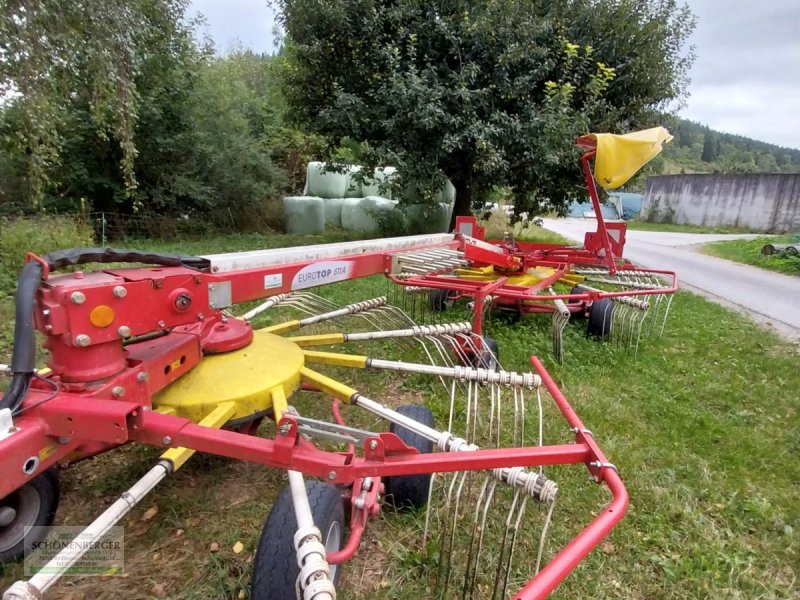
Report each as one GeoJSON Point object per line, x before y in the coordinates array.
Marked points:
{"type": "Point", "coordinates": [41, 234]}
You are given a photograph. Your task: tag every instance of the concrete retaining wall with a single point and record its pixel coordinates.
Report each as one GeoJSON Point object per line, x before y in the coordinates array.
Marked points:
{"type": "Point", "coordinates": [762, 202]}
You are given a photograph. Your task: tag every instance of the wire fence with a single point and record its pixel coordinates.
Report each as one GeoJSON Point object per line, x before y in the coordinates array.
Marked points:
{"type": "Point", "coordinates": [114, 228]}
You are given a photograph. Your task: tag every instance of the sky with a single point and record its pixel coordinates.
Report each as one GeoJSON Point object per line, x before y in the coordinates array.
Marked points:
{"type": "Point", "coordinates": [745, 79]}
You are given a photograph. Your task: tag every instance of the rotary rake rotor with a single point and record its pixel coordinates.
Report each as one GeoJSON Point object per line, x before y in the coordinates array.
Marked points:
{"type": "Point", "coordinates": [157, 356]}
{"type": "Point", "coordinates": [621, 304]}
{"type": "Point", "coordinates": [620, 300]}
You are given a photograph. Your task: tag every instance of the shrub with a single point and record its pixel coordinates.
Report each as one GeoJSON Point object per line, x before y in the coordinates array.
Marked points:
{"type": "Point", "coordinates": [40, 234]}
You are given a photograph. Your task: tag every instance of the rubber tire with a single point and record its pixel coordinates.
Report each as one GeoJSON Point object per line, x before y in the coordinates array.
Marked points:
{"type": "Point", "coordinates": [580, 314]}
{"type": "Point", "coordinates": [47, 487]}
{"type": "Point", "coordinates": [440, 300]}
{"type": "Point", "coordinates": [491, 359]}
{"type": "Point", "coordinates": [275, 567]}
{"type": "Point", "coordinates": [410, 491]}
{"type": "Point", "coordinates": [601, 321]}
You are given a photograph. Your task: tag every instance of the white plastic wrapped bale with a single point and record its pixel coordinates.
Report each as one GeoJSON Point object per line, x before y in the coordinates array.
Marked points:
{"type": "Point", "coordinates": [349, 205]}
{"type": "Point", "coordinates": [430, 218]}
{"type": "Point", "coordinates": [448, 194]}
{"type": "Point", "coordinates": [364, 214]}
{"type": "Point", "coordinates": [304, 214]}
{"type": "Point", "coordinates": [353, 183]}
{"type": "Point", "coordinates": [333, 211]}
{"type": "Point", "coordinates": [380, 184]}
{"type": "Point", "coordinates": [325, 184]}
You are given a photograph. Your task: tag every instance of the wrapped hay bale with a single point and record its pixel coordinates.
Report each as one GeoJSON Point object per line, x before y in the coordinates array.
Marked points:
{"type": "Point", "coordinates": [303, 214]}
{"type": "Point", "coordinates": [364, 214]}
{"type": "Point", "coordinates": [324, 184]}
{"type": "Point", "coordinates": [448, 194]}
{"type": "Point", "coordinates": [446, 214]}
{"type": "Point", "coordinates": [353, 189]}
{"type": "Point", "coordinates": [430, 217]}
{"type": "Point", "coordinates": [333, 211]}
{"type": "Point", "coordinates": [380, 184]}
{"type": "Point", "coordinates": [349, 205]}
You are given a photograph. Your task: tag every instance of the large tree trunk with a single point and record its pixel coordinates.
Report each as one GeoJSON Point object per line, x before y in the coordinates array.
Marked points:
{"type": "Point", "coordinates": [463, 204]}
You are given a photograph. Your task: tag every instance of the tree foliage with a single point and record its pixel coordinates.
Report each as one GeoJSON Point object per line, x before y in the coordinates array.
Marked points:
{"type": "Point", "coordinates": [484, 92]}
{"type": "Point", "coordinates": [54, 50]}
{"type": "Point", "coordinates": [700, 149]}
{"type": "Point", "coordinates": [135, 112]}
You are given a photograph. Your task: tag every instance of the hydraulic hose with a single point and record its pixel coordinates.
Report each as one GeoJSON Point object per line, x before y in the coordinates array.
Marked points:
{"type": "Point", "coordinates": [23, 359]}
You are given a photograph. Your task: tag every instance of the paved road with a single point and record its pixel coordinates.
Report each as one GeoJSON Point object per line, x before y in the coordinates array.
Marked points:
{"type": "Point", "coordinates": [769, 298]}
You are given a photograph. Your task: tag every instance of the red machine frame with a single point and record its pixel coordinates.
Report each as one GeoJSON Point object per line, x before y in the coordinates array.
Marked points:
{"type": "Point", "coordinates": [600, 249]}
{"type": "Point", "coordinates": [99, 393]}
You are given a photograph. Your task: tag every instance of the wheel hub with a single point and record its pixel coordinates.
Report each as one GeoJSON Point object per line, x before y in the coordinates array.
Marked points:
{"type": "Point", "coordinates": [7, 516]}
{"type": "Point", "coordinates": [333, 542]}
{"type": "Point", "coordinates": [20, 511]}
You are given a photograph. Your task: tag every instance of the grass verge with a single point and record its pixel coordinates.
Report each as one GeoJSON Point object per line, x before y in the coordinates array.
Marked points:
{"type": "Point", "coordinates": [748, 252]}
{"type": "Point", "coordinates": [700, 424]}
{"type": "Point", "coordinates": [676, 228]}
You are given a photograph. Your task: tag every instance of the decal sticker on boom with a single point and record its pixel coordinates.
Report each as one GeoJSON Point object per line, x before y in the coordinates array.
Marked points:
{"type": "Point", "coordinates": [327, 271]}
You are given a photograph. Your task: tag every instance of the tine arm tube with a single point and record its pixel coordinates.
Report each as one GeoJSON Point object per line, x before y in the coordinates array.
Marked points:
{"type": "Point", "coordinates": [314, 579]}
{"type": "Point", "coordinates": [416, 331]}
{"type": "Point", "coordinates": [536, 485]}
{"type": "Point", "coordinates": [52, 571]}
{"type": "Point", "coordinates": [350, 309]}
{"type": "Point", "coordinates": [274, 300]}
{"type": "Point", "coordinates": [458, 372]}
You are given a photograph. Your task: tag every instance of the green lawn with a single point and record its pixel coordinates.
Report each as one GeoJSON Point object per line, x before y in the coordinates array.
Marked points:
{"type": "Point", "coordinates": [674, 227]}
{"type": "Point", "coordinates": [702, 425]}
{"type": "Point", "coordinates": [749, 253]}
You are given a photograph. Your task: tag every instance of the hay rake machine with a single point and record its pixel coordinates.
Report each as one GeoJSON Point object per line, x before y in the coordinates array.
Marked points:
{"type": "Point", "coordinates": [596, 283]}
{"type": "Point", "coordinates": [153, 354]}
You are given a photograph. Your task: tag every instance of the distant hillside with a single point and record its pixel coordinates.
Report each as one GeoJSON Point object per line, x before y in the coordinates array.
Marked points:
{"type": "Point", "coordinates": [697, 148]}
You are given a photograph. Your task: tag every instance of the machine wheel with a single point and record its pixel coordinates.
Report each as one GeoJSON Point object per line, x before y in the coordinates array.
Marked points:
{"type": "Point", "coordinates": [600, 318]}
{"type": "Point", "coordinates": [440, 300]}
{"type": "Point", "coordinates": [275, 567]}
{"type": "Point", "coordinates": [410, 491]}
{"type": "Point", "coordinates": [34, 504]}
{"type": "Point", "coordinates": [577, 290]}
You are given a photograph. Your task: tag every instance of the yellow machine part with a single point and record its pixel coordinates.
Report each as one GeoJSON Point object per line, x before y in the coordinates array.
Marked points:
{"type": "Point", "coordinates": [250, 378]}
{"type": "Point", "coordinates": [528, 278]}
{"type": "Point", "coordinates": [619, 157]}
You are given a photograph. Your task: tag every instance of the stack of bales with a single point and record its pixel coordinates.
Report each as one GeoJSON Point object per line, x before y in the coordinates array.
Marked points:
{"type": "Point", "coordinates": [340, 199]}
{"type": "Point", "coordinates": [375, 202]}
{"type": "Point", "coordinates": [321, 202]}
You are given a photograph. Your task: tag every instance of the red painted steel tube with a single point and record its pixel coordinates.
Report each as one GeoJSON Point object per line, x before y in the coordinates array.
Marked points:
{"type": "Point", "coordinates": [181, 432]}
{"type": "Point", "coordinates": [601, 223]}
{"type": "Point", "coordinates": [472, 287]}
{"type": "Point", "coordinates": [566, 560]}
{"type": "Point", "coordinates": [557, 569]}
{"type": "Point", "coordinates": [357, 524]}
{"type": "Point", "coordinates": [337, 416]}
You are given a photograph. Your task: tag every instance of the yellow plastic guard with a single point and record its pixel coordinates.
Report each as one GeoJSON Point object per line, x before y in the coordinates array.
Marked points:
{"type": "Point", "coordinates": [247, 377]}
{"type": "Point", "coordinates": [619, 157]}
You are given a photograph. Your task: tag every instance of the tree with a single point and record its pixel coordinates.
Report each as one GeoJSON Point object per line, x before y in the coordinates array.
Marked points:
{"type": "Point", "coordinates": [710, 147]}
{"type": "Point", "coordinates": [52, 51]}
{"type": "Point", "coordinates": [484, 92]}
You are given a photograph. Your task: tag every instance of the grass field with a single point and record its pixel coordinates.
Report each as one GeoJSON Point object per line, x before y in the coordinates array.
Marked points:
{"type": "Point", "coordinates": [676, 228]}
{"type": "Point", "coordinates": [702, 425]}
{"type": "Point", "coordinates": [749, 253]}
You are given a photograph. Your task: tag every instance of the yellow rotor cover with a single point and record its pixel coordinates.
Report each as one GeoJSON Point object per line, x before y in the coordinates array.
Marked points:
{"type": "Point", "coordinates": [250, 378]}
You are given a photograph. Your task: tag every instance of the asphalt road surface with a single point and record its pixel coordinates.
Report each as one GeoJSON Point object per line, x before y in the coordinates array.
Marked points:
{"type": "Point", "coordinates": [771, 299]}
